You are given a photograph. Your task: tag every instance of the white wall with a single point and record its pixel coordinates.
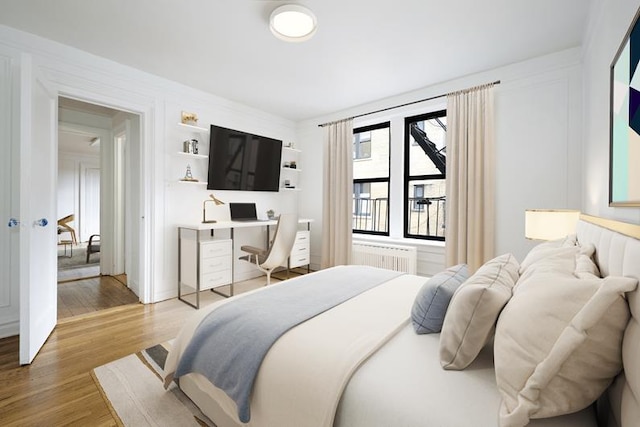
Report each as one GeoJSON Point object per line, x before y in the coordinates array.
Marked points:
{"type": "Point", "coordinates": [609, 24]}
{"type": "Point", "coordinates": [70, 169]}
{"type": "Point", "coordinates": [538, 150]}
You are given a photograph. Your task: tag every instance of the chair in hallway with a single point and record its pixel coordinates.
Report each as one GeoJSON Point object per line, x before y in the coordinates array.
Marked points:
{"type": "Point", "coordinates": [93, 246]}
{"type": "Point", "coordinates": [267, 260]}
{"type": "Point", "coordinates": [64, 227]}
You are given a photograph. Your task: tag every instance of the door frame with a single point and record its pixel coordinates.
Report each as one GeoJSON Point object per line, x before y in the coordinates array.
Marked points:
{"type": "Point", "coordinates": [142, 170]}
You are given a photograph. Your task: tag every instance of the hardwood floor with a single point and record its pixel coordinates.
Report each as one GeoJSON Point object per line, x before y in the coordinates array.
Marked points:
{"type": "Point", "coordinates": [57, 388]}
{"type": "Point", "coordinates": [93, 294]}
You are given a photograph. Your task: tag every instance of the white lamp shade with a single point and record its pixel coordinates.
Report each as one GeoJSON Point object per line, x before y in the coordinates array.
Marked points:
{"type": "Point", "coordinates": [293, 23]}
{"type": "Point", "coordinates": [550, 224]}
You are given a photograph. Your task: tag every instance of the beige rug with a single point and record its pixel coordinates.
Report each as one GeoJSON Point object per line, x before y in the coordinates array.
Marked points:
{"type": "Point", "coordinates": [132, 387]}
{"type": "Point", "coordinates": [76, 257]}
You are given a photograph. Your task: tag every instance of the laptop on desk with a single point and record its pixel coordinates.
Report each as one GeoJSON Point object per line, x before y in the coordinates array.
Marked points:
{"type": "Point", "coordinates": [243, 212]}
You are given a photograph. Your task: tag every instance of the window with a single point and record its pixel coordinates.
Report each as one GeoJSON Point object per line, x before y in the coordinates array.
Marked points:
{"type": "Point", "coordinates": [371, 179]}
{"type": "Point", "coordinates": [425, 176]}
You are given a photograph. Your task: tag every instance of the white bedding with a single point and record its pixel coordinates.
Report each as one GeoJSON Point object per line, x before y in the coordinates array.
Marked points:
{"type": "Point", "coordinates": [302, 377]}
{"type": "Point", "coordinates": [402, 384]}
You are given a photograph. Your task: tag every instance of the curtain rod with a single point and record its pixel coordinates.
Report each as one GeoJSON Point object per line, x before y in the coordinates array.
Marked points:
{"type": "Point", "coordinates": [497, 82]}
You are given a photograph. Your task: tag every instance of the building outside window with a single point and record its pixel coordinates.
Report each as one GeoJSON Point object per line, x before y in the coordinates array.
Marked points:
{"type": "Point", "coordinates": [425, 176]}
{"type": "Point", "coordinates": [361, 199]}
{"type": "Point", "coordinates": [371, 179]}
{"type": "Point", "coordinates": [362, 145]}
{"type": "Point", "coordinates": [418, 194]}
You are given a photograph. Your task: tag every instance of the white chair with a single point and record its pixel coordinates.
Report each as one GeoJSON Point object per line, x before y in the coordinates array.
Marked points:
{"type": "Point", "coordinates": [269, 259]}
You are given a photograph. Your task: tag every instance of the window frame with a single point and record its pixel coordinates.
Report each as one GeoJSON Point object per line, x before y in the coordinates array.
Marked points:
{"type": "Point", "coordinates": [387, 179]}
{"type": "Point", "coordinates": [409, 178]}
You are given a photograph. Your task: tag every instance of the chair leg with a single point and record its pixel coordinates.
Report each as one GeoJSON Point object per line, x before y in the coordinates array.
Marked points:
{"type": "Point", "coordinates": [268, 277]}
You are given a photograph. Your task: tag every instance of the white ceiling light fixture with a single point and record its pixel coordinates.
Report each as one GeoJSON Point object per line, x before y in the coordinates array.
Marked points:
{"type": "Point", "coordinates": [293, 23]}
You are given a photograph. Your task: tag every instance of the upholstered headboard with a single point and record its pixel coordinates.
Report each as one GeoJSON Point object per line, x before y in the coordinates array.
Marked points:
{"type": "Point", "coordinates": [618, 254]}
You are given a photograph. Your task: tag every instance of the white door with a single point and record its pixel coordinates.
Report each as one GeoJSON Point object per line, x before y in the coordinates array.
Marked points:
{"type": "Point", "coordinates": [37, 206]}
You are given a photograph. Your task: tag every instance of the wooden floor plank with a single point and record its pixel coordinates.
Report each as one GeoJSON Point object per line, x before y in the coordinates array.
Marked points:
{"type": "Point", "coordinates": [92, 294]}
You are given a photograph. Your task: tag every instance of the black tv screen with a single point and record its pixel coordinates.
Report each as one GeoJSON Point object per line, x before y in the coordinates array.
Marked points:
{"type": "Point", "coordinates": [243, 161]}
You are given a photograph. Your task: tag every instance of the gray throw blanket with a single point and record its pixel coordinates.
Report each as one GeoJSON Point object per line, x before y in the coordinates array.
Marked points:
{"type": "Point", "coordinates": [230, 343]}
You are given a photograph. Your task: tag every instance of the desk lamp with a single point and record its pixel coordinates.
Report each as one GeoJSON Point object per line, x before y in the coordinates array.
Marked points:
{"type": "Point", "coordinates": [215, 200]}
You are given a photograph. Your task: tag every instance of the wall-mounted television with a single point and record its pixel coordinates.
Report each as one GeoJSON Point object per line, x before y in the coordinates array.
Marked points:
{"type": "Point", "coordinates": [243, 161]}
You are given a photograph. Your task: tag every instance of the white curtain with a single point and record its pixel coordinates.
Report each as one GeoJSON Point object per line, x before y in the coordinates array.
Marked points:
{"type": "Point", "coordinates": [337, 201]}
{"type": "Point", "coordinates": [470, 177]}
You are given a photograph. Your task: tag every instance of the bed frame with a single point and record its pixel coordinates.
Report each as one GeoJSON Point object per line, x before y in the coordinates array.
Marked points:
{"type": "Point", "coordinates": [618, 254]}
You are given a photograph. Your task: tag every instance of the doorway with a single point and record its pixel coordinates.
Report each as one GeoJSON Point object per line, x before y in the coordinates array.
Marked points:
{"type": "Point", "coordinates": [92, 182]}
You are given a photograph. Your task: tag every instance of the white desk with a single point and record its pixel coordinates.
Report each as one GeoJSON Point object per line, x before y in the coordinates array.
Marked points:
{"type": "Point", "coordinates": [197, 255]}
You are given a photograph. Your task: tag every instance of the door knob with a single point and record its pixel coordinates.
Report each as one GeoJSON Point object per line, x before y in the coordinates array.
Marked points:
{"type": "Point", "coordinates": [13, 223]}
{"type": "Point", "coordinates": [42, 222]}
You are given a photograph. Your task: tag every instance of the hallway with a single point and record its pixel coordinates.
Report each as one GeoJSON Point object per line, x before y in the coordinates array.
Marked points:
{"type": "Point", "coordinates": [89, 295]}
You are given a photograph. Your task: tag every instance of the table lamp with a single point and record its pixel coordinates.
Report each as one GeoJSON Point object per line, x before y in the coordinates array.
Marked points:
{"type": "Point", "coordinates": [550, 224]}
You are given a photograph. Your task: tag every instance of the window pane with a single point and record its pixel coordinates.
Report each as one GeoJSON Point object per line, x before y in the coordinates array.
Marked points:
{"type": "Point", "coordinates": [371, 206]}
{"type": "Point", "coordinates": [426, 211]}
{"type": "Point", "coordinates": [418, 195]}
{"type": "Point", "coordinates": [371, 149]}
{"type": "Point", "coordinates": [427, 146]}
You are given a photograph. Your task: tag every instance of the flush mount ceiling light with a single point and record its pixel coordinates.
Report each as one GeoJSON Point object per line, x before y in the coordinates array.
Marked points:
{"type": "Point", "coordinates": [293, 23]}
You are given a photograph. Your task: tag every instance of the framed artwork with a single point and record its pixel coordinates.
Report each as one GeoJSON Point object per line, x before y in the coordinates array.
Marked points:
{"type": "Point", "coordinates": [624, 152]}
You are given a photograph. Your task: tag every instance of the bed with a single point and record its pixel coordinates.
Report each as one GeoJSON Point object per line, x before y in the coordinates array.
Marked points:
{"type": "Point", "coordinates": [390, 376]}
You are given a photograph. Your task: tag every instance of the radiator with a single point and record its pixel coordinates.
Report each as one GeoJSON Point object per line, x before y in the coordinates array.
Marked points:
{"type": "Point", "coordinates": [391, 257]}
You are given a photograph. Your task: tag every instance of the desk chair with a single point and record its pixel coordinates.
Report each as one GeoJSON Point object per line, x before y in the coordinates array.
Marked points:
{"type": "Point", "coordinates": [63, 226]}
{"type": "Point", "coordinates": [93, 246]}
{"type": "Point", "coordinates": [269, 259]}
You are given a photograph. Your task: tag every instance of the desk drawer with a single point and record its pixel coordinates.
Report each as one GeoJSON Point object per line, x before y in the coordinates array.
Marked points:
{"type": "Point", "coordinates": [303, 237]}
{"type": "Point", "coordinates": [215, 248]}
{"type": "Point", "coordinates": [300, 259]}
{"type": "Point", "coordinates": [300, 248]}
{"type": "Point", "coordinates": [215, 264]}
{"type": "Point", "coordinates": [212, 280]}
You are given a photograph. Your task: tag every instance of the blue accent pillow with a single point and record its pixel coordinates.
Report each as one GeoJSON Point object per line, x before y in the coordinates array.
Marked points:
{"type": "Point", "coordinates": [432, 301]}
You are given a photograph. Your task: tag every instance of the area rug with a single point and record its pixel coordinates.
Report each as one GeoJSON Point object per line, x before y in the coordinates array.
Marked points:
{"type": "Point", "coordinates": [132, 388]}
{"type": "Point", "coordinates": [76, 257]}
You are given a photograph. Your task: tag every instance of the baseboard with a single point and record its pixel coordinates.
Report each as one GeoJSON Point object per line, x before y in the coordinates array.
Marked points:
{"type": "Point", "coordinates": [9, 329]}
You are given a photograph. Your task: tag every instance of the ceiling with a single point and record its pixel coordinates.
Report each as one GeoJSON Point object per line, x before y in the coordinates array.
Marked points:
{"type": "Point", "coordinates": [363, 51]}
{"type": "Point", "coordinates": [77, 139]}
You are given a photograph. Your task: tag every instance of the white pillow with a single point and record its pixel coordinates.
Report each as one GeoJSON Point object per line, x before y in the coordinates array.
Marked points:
{"type": "Point", "coordinates": [558, 344]}
{"type": "Point", "coordinates": [586, 268]}
{"type": "Point", "coordinates": [550, 258]}
{"type": "Point", "coordinates": [473, 311]}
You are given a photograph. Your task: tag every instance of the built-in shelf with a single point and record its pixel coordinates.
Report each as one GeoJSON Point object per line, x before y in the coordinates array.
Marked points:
{"type": "Point", "coordinates": [291, 155]}
{"type": "Point", "coordinates": [193, 156]}
{"type": "Point", "coordinates": [195, 128]}
{"type": "Point", "coordinates": [192, 182]}
{"type": "Point", "coordinates": [292, 149]}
